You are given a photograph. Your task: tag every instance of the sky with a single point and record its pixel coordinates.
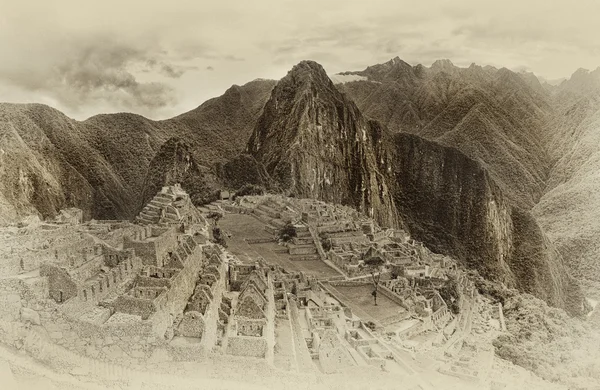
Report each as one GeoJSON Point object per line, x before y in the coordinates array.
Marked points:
{"type": "Point", "coordinates": [162, 58]}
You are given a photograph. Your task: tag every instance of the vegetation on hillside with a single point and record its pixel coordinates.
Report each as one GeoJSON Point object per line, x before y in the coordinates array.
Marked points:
{"type": "Point", "coordinates": [325, 241]}
{"type": "Point", "coordinates": [550, 343]}
{"type": "Point", "coordinates": [219, 236]}
{"type": "Point", "coordinates": [249, 189]}
{"type": "Point", "coordinates": [451, 294]}
{"type": "Point", "coordinates": [374, 266]}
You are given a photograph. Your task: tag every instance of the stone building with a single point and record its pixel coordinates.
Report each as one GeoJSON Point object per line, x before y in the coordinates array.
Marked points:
{"type": "Point", "coordinates": [90, 275]}
{"type": "Point", "coordinates": [252, 320]}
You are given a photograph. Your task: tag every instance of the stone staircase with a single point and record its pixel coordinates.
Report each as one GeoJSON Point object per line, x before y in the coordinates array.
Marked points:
{"type": "Point", "coordinates": [268, 214]}
{"type": "Point", "coordinates": [304, 247]}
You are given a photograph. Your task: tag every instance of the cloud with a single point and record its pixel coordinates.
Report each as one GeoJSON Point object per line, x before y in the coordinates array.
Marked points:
{"type": "Point", "coordinates": [172, 71]}
{"type": "Point", "coordinates": [100, 69]}
{"type": "Point", "coordinates": [171, 57]}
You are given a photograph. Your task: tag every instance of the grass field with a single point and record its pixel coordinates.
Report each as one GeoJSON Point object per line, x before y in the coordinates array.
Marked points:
{"type": "Point", "coordinates": [359, 297]}
{"type": "Point", "coordinates": [243, 226]}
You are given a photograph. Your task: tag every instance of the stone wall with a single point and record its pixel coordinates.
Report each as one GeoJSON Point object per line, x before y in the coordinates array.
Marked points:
{"type": "Point", "coordinates": [191, 325]}
{"type": "Point", "coordinates": [247, 346]}
{"type": "Point", "coordinates": [93, 291]}
{"type": "Point", "coordinates": [302, 249]}
{"type": "Point", "coordinates": [24, 317]}
{"type": "Point", "coordinates": [392, 296]}
{"type": "Point", "coordinates": [370, 356]}
{"type": "Point", "coordinates": [142, 307]}
{"type": "Point", "coordinates": [61, 286]}
{"type": "Point", "coordinates": [174, 300]}
{"type": "Point", "coordinates": [152, 250]}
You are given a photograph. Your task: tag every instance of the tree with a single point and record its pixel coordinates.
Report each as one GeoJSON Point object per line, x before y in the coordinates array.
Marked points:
{"type": "Point", "coordinates": [325, 241]}
{"type": "Point", "coordinates": [451, 294]}
{"type": "Point", "coordinates": [219, 237]}
{"type": "Point", "coordinates": [288, 232]}
{"type": "Point", "coordinates": [249, 189]}
{"type": "Point", "coordinates": [215, 216]}
{"type": "Point", "coordinates": [374, 265]}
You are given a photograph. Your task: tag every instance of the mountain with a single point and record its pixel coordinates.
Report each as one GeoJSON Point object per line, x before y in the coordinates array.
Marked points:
{"type": "Point", "coordinates": [174, 163]}
{"type": "Point", "coordinates": [569, 211]}
{"type": "Point", "coordinates": [50, 161]}
{"type": "Point", "coordinates": [315, 143]}
{"type": "Point", "coordinates": [492, 115]}
{"type": "Point", "coordinates": [453, 204]}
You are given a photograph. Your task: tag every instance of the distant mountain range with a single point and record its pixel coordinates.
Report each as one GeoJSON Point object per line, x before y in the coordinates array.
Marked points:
{"type": "Point", "coordinates": [496, 168]}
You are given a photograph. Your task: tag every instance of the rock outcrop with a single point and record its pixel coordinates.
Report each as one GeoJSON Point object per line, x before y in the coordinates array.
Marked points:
{"type": "Point", "coordinates": [174, 163]}
{"type": "Point", "coordinates": [315, 143]}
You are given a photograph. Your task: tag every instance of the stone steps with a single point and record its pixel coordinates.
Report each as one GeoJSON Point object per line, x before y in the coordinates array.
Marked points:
{"type": "Point", "coordinates": [149, 216]}
{"type": "Point", "coordinates": [304, 241]}
{"type": "Point", "coordinates": [269, 211]}
{"type": "Point", "coordinates": [167, 197]}
{"type": "Point", "coordinates": [302, 249]}
{"type": "Point", "coordinates": [304, 257]}
{"type": "Point", "coordinates": [302, 230]}
{"type": "Point", "coordinates": [272, 229]}
{"type": "Point", "coordinates": [151, 206]}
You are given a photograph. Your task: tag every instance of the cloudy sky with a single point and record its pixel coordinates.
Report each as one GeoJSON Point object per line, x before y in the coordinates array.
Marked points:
{"type": "Point", "coordinates": [161, 58]}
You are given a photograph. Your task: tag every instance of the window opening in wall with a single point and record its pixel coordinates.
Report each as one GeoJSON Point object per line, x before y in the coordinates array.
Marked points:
{"type": "Point", "coordinates": [84, 295]}
{"type": "Point", "coordinates": [60, 296]}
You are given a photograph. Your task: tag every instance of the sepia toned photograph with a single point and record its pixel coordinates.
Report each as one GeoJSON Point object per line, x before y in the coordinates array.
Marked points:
{"type": "Point", "coordinates": [277, 194]}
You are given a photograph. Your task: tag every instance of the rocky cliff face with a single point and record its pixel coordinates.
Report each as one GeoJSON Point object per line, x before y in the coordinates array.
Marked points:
{"type": "Point", "coordinates": [491, 115]}
{"type": "Point", "coordinates": [174, 163]}
{"type": "Point", "coordinates": [451, 203]}
{"type": "Point", "coordinates": [315, 143]}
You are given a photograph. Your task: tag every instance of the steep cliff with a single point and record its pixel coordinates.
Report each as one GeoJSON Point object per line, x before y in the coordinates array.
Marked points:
{"type": "Point", "coordinates": [491, 115]}
{"type": "Point", "coordinates": [451, 203]}
{"type": "Point", "coordinates": [315, 143]}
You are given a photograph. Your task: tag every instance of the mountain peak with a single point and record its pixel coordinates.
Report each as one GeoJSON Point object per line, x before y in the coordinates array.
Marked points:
{"type": "Point", "coordinates": [442, 64]}
{"type": "Point", "coordinates": [306, 73]}
{"type": "Point", "coordinates": [397, 62]}
{"type": "Point", "coordinates": [307, 66]}
{"type": "Point", "coordinates": [314, 142]}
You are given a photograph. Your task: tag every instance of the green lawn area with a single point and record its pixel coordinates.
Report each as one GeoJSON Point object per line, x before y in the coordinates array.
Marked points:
{"type": "Point", "coordinates": [244, 226]}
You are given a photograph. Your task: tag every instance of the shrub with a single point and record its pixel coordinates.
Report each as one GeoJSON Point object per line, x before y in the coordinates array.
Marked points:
{"type": "Point", "coordinates": [249, 189]}
{"type": "Point", "coordinates": [451, 294]}
{"type": "Point", "coordinates": [219, 237]}
{"type": "Point", "coordinates": [325, 242]}
{"type": "Point", "coordinates": [215, 216]}
{"type": "Point", "coordinates": [288, 232]}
